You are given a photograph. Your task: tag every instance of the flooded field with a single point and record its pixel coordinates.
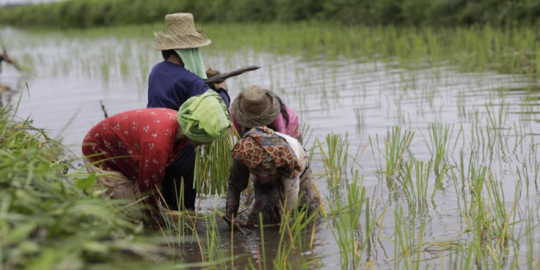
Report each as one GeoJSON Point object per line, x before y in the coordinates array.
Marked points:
{"type": "Point", "coordinates": [421, 163]}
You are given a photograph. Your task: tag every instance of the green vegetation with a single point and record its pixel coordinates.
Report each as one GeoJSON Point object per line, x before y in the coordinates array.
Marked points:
{"type": "Point", "coordinates": [335, 158]}
{"type": "Point", "coordinates": [395, 146]}
{"type": "Point", "coordinates": [211, 176]}
{"type": "Point", "coordinates": [471, 49]}
{"type": "Point", "coordinates": [90, 13]}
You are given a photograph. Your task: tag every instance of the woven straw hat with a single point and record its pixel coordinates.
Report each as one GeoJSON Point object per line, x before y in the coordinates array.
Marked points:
{"type": "Point", "coordinates": [255, 107]}
{"type": "Point", "coordinates": [181, 33]}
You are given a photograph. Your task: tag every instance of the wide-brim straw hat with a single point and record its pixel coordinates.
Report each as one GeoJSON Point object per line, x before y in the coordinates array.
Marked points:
{"type": "Point", "coordinates": [255, 107]}
{"type": "Point", "coordinates": [181, 34]}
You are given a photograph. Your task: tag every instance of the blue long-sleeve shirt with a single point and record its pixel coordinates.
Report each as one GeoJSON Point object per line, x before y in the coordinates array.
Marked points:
{"type": "Point", "coordinates": [170, 85]}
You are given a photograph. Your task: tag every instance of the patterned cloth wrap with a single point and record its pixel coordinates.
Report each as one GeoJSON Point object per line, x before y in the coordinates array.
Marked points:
{"type": "Point", "coordinates": [262, 146]}
{"type": "Point", "coordinates": [204, 118]}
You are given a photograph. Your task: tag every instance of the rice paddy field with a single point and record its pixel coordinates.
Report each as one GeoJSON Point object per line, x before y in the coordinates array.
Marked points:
{"type": "Point", "coordinates": [424, 141]}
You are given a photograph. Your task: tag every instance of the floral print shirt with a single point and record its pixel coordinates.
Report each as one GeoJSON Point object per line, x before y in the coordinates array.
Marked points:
{"type": "Point", "coordinates": [139, 144]}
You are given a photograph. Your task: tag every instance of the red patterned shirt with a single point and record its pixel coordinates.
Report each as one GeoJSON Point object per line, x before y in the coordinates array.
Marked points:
{"type": "Point", "coordinates": [139, 143]}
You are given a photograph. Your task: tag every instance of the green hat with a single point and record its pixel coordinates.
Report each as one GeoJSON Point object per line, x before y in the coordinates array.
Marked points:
{"type": "Point", "coordinates": [204, 118]}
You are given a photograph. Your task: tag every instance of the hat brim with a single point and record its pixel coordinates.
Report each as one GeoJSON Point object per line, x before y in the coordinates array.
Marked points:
{"type": "Point", "coordinates": [171, 42]}
{"type": "Point", "coordinates": [249, 121]}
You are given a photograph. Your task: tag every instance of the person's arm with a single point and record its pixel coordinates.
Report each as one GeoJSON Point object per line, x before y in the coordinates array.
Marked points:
{"type": "Point", "coordinates": [237, 182]}
{"type": "Point", "coordinates": [200, 87]}
{"type": "Point", "coordinates": [223, 92]}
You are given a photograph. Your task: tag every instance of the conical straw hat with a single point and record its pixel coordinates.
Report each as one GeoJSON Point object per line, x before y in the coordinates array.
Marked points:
{"type": "Point", "coordinates": [181, 33]}
{"type": "Point", "coordinates": [255, 107]}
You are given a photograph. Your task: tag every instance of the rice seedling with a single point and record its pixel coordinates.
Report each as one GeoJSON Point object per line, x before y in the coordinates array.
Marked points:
{"type": "Point", "coordinates": [360, 120]}
{"type": "Point", "coordinates": [407, 246]}
{"type": "Point", "coordinates": [439, 137]}
{"type": "Point", "coordinates": [497, 122]}
{"type": "Point", "coordinates": [395, 146]}
{"type": "Point", "coordinates": [344, 223]}
{"type": "Point", "coordinates": [416, 186]}
{"type": "Point", "coordinates": [210, 178]}
{"type": "Point", "coordinates": [297, 231]}
{"type": "Point", "coordinates": [335, 157]}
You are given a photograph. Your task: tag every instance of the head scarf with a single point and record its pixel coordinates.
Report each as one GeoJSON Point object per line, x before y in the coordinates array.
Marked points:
{"type": "Point", "coordinates": [193, 61]}
{"type": "Point", "coordinates": [204, 118]}
{"type": "Point", "coordinates": [262, 146]}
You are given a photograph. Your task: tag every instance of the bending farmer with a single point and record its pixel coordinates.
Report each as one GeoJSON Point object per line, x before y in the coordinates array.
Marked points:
{"type": "Point", "coordinates": [282, 176]}
{"type": "Point", "coordinates": [136, 147]}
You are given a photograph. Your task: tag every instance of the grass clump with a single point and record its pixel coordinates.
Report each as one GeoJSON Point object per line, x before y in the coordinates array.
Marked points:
{"type": "Point", "coordinates": [344, 221]}
{"type": "Point", "coordinates": [395, 146]}
{"type": "Point", "coordinates": [335, 157]}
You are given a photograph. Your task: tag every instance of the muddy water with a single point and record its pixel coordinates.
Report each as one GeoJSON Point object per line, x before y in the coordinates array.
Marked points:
{"type": "Point", "coordinates": [361, 99]}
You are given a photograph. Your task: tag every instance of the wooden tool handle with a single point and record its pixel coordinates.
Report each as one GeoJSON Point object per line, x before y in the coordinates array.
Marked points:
{"type": "Point", "coordinates": [223, 76]}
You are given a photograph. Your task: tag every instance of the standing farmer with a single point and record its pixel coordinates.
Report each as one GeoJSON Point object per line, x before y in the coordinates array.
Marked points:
{"type": "Point", "coordinates": [135, 148]}
{"type": "Point", "coordinates": [171, 82]}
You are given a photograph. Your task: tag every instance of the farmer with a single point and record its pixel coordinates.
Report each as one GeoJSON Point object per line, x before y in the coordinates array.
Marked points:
{"type": "Point", "coordinates": [282, 176]}
{"type": "Point", "coordinates": [171, 82]}
{"type": "Point", "coordinates": [258, 107]}
{"type": "Point", "coordinates": [135, 148]}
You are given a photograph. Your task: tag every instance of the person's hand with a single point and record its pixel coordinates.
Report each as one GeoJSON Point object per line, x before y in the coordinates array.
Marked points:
{"type": "Point", "coordinates": [221, 85]}
{"type": "Point", "coordinates": [237, 225]}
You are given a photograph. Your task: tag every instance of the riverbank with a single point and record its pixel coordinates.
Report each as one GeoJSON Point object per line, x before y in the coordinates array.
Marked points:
{"type": "Point", "coordinates": [92, 13]}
